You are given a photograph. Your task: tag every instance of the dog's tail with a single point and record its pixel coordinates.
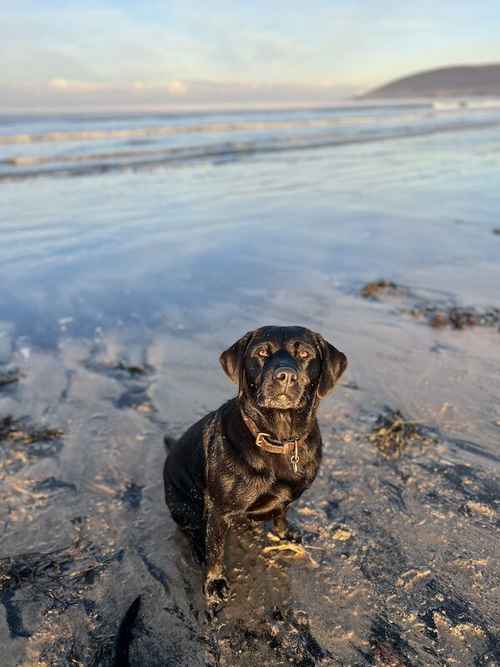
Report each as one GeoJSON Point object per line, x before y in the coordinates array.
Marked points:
{"type": "Point", "coordinates": [169, 442]}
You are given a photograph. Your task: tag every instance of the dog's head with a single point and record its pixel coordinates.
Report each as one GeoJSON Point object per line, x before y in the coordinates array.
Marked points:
{"type": "Point", "coordinates": [283, 368]}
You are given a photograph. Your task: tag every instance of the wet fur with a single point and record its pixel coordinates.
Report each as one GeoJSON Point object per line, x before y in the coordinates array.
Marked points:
{"type": "Point", "coordinates": [215, 472]}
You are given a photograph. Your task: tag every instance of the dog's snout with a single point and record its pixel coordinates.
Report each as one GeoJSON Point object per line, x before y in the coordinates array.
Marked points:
{"type": "Point", "coordinates": [285, 375]}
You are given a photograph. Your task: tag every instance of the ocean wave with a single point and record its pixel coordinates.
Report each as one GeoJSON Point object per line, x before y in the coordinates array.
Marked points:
{"type": "Point", "coordinates": [86, 164]}
{"type": "Point", "coordinates": [466, 104]}
{"type": "Point", "coordinates": [149, 132]}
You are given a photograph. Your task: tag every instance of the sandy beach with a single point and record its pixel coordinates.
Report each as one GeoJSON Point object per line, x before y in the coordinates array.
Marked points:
{"type": "Point", "coordinates": [118, 292]}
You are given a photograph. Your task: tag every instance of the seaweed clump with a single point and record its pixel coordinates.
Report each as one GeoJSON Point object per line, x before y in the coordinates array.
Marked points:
{"type": "Point", "coordinates": [437, 314]}
{"type": "Point", "coordinates": [377, 288]}
{"type": "Point", "coordinates": [392, 434]}
{"type": "Point", "coordinates": [57, 579]}
{"type": "Point", "coordinates": [9, 377]}
{"type": "Point", "coordinates": [457, 317]}
{"type": "Point", "coordinates": [287, 632]}
{"type": "Point", "coordinates": [132, 369]}
{"type": "Point", "coordinates": [21, 443]}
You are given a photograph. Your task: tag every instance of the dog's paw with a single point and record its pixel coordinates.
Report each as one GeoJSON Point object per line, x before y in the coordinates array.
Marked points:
{"type": "Point", "coordinates": [216, 590]}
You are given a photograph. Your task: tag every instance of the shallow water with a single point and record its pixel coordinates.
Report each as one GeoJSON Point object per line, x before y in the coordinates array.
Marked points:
{"type": "Point", "coordinates": [166, 267]}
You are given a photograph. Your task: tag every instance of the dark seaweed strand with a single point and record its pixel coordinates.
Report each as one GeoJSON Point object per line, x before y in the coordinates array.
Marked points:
{"type": "Point", "coordinates": [125, 635]}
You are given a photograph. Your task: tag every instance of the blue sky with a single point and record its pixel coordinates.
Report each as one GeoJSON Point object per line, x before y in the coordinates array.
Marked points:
{"type": "Point", "coordinates": [71, 53]}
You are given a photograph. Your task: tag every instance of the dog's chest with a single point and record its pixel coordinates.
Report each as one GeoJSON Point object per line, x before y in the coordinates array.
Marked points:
{"type": "Point", "coordinates": [275, 485]}
{"type": "Point", "coordinates": [299, 473]}
{"type": "Point", "coordinates": [284, 479]}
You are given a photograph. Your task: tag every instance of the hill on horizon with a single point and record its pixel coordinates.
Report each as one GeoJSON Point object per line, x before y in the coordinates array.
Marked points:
{"type": "Point", "coordinates": [452, 81]}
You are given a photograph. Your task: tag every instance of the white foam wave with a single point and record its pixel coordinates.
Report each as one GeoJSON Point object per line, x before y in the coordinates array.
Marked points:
{"type": "Point", "coordinates": [202, 128]}
{"type": "Point", "coordinates": [463, 104]}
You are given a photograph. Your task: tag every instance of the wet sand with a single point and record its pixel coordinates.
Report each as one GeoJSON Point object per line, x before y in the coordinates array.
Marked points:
{"type": "Point", "coordinates": [400, 563]}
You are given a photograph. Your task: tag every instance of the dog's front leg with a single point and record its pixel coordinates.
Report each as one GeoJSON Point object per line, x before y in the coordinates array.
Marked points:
{"type": "Point", "coordinates": [216, 585]}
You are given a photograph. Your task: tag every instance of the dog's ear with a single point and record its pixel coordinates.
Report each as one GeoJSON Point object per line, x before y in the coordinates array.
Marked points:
{"type": "Point", "coordinates": [333, 364]}
{"type": "Point", "coordinates": [231, 359]}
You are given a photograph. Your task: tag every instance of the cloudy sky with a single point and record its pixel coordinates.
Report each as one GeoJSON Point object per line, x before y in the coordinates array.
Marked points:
{"type": "Point", "coordinates": [128, 53]}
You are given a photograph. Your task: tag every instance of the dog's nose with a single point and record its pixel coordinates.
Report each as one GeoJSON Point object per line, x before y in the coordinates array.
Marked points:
{"type": "Point", "coordinates": [285, 375]}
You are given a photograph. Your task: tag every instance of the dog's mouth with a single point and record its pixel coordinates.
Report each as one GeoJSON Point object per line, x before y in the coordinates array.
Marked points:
{"type": "Point", "coordinates": [290, 400]}
{"type": "Point", "coordinates": [274, 392]}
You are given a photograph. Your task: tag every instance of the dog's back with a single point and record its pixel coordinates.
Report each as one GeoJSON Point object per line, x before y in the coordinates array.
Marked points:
{"type": "Point", "coordinates": [184, 475]}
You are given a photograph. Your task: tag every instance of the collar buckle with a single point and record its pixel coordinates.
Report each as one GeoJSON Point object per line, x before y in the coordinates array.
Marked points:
{"type": "Point", "coordinates": [260, 439]}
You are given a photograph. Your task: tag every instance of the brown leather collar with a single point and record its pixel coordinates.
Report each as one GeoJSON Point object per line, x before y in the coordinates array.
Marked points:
{"type": "Point", "coordinates": [289, 447]}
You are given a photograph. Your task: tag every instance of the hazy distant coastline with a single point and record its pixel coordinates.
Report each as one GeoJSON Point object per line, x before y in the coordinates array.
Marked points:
{"type": "Point", "coordinates": [454, 81]}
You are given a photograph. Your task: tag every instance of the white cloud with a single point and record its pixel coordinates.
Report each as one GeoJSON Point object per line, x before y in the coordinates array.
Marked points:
{"type": "Point", "coordinates": [177, 88]}
{"type": "Point", "coordinates": [178, 52]}
{"type": "Point", "coordinates": [77, 86]}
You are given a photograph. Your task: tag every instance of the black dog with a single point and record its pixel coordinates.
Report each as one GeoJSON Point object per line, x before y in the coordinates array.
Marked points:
{"type": "Point", "coordinates": [258, 452]}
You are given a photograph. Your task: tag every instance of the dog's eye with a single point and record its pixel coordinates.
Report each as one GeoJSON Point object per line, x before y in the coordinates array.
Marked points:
{"type": "Point", "coordinates": [304, 354]}
{"type": "Point", "coordinates": [262, 352]}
